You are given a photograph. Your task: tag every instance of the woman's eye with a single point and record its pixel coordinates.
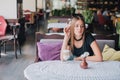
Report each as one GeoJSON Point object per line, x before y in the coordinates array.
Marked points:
{"type": "Point", "coordinates": [77, 26]}
{"type": "Point", "coordinates": [82, 26]}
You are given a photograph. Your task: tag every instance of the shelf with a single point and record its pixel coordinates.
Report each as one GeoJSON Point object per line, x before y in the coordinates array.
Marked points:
{"type": "Point", "coordinates": [109, 4]}
{"type": "Point", "coordinates": [82, 4]}
{"type": "Point", "coordinates": [97, 4]}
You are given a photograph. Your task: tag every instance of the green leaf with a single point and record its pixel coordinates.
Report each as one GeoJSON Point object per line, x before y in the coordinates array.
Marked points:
{"type": "Point", "coordinates": [88, 16]}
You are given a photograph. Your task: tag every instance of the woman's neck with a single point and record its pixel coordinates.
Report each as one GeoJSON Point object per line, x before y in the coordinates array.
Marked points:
{"type": "Point", "coordinates": [78, 38]}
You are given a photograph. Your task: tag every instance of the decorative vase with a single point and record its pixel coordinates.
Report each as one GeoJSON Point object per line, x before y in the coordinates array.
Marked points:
{"type": "Point", "coordinates": [84, 64]}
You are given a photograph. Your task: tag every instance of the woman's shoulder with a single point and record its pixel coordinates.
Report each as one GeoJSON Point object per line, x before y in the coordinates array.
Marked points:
{"type": "Point", "coordinates": [89, 36]}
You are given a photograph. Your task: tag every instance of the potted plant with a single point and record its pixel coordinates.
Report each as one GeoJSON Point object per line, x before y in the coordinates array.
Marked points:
{"type": "Point", "coordinates": [88, 16]}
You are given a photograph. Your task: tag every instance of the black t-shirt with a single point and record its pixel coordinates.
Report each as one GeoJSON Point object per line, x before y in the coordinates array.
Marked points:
{"type": "Point", "coordinates": [85, 47]}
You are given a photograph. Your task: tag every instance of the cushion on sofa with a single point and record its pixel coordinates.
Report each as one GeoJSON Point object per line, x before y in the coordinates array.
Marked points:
{"type": "Point", "coordinates": [49, 51]}
{"type": "Point", "coordinates": [102, 43]}
{"type": "Point", "coordinates": [51, 40]}
{"type": "Point", "coordinates": [110, 54]}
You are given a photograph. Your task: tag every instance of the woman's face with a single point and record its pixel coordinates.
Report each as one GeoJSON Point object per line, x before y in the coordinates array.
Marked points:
{"type": "Point", "coordinates": [79, 28]}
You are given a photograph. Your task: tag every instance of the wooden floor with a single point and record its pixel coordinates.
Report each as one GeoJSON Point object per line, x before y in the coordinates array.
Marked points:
{"type": "Point", "coordinates": [12, 68]}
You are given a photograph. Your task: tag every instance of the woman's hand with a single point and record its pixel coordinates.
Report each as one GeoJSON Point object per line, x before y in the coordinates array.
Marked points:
{"type": "Point", "coordinates": [67, 31]}
{"type": "Point", "coordinates": [77, 58]}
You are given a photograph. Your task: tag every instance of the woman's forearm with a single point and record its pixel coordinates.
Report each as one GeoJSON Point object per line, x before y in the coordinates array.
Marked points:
{"type": "Point", "coordinates": [65, 44]}
{"type": "Point", "coordinates": [94, 58]}
{"type": "Point", "coordinates": [90, 58]}
{"type": "Point", "coordinates": [64, 47]}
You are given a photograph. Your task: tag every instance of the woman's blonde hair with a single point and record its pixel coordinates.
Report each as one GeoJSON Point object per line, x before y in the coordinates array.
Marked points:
{"type": "Point", "coordinates": [73, 21]}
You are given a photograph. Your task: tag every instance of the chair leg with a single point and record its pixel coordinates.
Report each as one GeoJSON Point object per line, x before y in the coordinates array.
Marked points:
{"type": "Point", "coordinates": [19, 47]}
{"type": "Point", "coordinates": [4, 47]}
{"type": "Point", "coordinates": [15, 48]}
{"type": "Point", "coordinates": [0, 50]}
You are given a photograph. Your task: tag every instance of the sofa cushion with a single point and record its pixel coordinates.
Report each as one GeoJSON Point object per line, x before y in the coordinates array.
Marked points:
{"type": "Point", "coordinates": [110, 54]}
{"type": "Point", "coordinates": [51, 40]}
{"type": "Point", "coordinates": [49, 51]}
{"type": "Point", "coordinates": [102, 43]}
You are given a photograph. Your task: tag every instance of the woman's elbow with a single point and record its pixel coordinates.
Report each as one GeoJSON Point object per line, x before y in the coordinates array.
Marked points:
{"type": "Point", "coordinates": [61, 58]}
{"type": "Point", "coordinates": [100, 59]}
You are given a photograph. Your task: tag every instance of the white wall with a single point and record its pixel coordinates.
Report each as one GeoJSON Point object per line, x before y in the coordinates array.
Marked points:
{"type": "Point", "coordinates": [73, 3]}
{"type": "Point", "coordinates": [39, 4]}
{"type": "Point", "coordinates": [8, 9]}
{"type": "Point", "coordinates": [57, 4]}
{"type": "Point", "coordinates": [29, 5]}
